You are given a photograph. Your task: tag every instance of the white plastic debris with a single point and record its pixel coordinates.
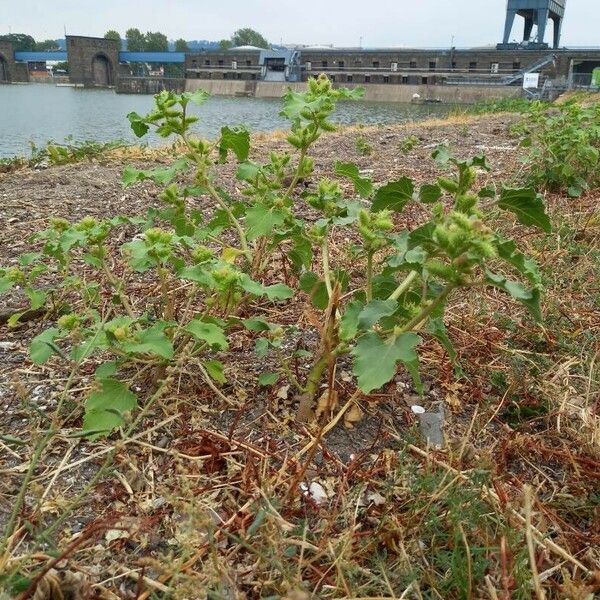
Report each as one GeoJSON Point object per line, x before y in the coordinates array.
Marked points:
{"type": "Point", "coordinates": [315, 490]}
{"type": "Point", "coordinates": [418, 410]}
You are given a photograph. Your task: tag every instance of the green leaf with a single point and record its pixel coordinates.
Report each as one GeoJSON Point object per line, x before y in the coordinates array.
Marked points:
{"type": "Point", "coordinates": [362, 185]}
{"type": "Point", "coordinates": [374, 311]}
{"type": "Point", "coordinates": [422, 236]}
{"type": "Point", "coordinates": [199, 274]}
{"type": "Point", "coordinates": [489, 191]}
{"type": "Point", "coordinates": [261, 220]}
{"type": "Point", "coordinates": [29, 258]}
{"type": "Point", "coordinates": [236, 140]}
{"type": "Point", "coordinates": [216, 371]}
{"type": "Point", "coordinates": [437, 328]}
{"type": "Point", "coordinates": [442, 154]}
{"type": "Point", "coordinates": [375, 359]}
{"type": "Point", "coordinates": [139, 127]}
{"type": "Point", "coordinates": [5, 284]}
{"type": "Point", "coordinates": [37, 298]}
{"type": "Point", "coordinates": [199, 97]}
{"type": "Point", "coordinates": [529, 297]}
{"type": "Point", "coordinates": [267, 379]}
{"type": "Point", "coordinates": [106, 370]}
{"type": "Point", "coordinates": [210, 333]}
{"type": "Point", "coordinates": [279, 291]}
{"type": "Point", "coordinates": [261, 347]}
{"type": "Point", "coordinates": [507, 250]}
{"type": "Point", "coordinates": [430, 193]}
{"type": "Point", "coordinates": [349, 320]}
{"type": "Point", "coordinates": [42, 346]}
{"type": "Point", "coordinates": [527, 205]}
{"type": "Point", "coordinates": [315, 287]}
{"type": "Point", "coordinates": [105, 408]}
{"type": "Point", "coordinates": [256, 325]}
{"type": "Point", "coordinates": [247, 171]}
{"type": "Point", "coordinates": [394, 195]}
{"type": "Point", "coordinates": [152, 341]}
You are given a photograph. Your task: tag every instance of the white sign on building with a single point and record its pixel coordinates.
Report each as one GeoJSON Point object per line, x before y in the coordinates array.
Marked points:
{"type": "Point", "coordinates": [531, 80]}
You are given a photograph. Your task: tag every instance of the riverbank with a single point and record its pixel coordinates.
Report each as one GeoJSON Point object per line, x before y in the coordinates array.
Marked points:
{"type": "Point", "coordinates": [403, 94]}
{"type": "Point", "coordinates": [195, 504]}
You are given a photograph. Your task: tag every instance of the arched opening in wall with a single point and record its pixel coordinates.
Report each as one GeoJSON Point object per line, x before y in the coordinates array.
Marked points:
{"type": "Point", "coordinates": [4, 75]}
{"type": "Point", "coordinates": [102, 71]}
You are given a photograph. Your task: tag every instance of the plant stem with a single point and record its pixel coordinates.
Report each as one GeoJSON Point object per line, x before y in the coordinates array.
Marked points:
{"type": "Point", "coordinates": [241, 233]}
{"type": "Point", "coordinates": [369, 276]}
{"type": "Point", "coordinates": [116, 284]}
{"type": "Point", "coordinates": [403, 287]}
{"type": "Point", "coordinates": [296, 178]}
{"type": "Point", "coordinates": [326, 268]}
{"type": "Point", "coordinates": [427, 310]}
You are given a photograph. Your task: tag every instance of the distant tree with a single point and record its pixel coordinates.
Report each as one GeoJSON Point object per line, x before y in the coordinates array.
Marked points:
{"type": "Point", "coordinates": [111, 34]}
{"type": "Point", "coordinates": [47, 46]}
{"type": "Point", "coordinates": [181, 46]}
{"type": "Point", "coordinates": [249, 37]}
{"type": "Point", "coordinates": [136, 40]}
{"type": "Point", "coordinates": [225, 44]}
{"type": "Point", "coordinates": [156, 42]}
{"type": "Point", "coordinates": [21, 41]}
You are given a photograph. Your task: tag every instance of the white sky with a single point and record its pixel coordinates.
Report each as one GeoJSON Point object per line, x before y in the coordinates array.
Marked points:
{"type": "Point", "coordinates": [339, 22]}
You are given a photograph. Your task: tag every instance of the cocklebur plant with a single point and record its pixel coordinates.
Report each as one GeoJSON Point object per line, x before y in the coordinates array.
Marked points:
{"type": "Point", "coordinates": [201, 259]}
{"type": "Point", "coordinates": [409, 276]}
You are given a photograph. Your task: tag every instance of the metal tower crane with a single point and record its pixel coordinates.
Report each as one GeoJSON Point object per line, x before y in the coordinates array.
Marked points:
{"type": "Point", "coordinates": [535, 12]}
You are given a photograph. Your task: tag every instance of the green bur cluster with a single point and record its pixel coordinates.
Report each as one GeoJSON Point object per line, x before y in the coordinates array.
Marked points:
{"type": "Point", "coordinates": [212, 262]}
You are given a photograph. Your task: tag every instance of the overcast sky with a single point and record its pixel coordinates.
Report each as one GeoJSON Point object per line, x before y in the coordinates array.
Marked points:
{"type": "Point", "coordinates": [339, 22]}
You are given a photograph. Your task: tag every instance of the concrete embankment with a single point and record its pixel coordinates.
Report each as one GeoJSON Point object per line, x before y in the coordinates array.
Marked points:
{"type": "Point", "coordinates": [373, 92]}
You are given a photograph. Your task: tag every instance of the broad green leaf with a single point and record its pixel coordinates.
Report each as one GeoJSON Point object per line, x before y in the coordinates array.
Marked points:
{"type": "Point", "coordinates": [99, 423]}
{"type": "Point", "coordinates": [349, 320]}
{"type": "Point", "coordinates": [261, 347]}
{"type": "Point", "coordinates": [247, 171]}
{"type": "Point", "coordinates": [437, 328]}
{"type": "Point", "coordinates": [36, 297]}
{"type": "Point", "coordinates": [42, 345]}
{"type": "Point", "coordinates": [200, 274]}
{"type": "Point", "coordinates": [394, 195]}
{"type": "Point", "coordinates": [161, 176]}
{"type": "Point", "coordinates": [430, 193]}
{"type": "Point", "coordinates": [105, 408]}
{"type": "Point", "coordinates": [507, 250]}
{"type": "Point", "coordinates": [262, 220]}
{"type": "Point", "coordinates": [267, 379]}
{"type": "Point", "coordinates": [5, 284]}
{"type": "Point", "coordinates": [199, 97]}
{"type": "Point", "coordinates": [422, 236]}
{"type": "Point", "coordinates": [362, 185]}
{"type": "Point", "coordinates": [315, 287]}
{"type": "Point", "coordinates": [374, 311]}
{"type": "Point", "coordinates": [527, 205]}
{"type": "Point", "coordinates": [279, 291]}
{"type": "Point", "coordinates": [216, 371]}
{"type": "Point", "coordinates": [236, 140]}
{"type": "Point", "coordinates": [29, 258]}
{"type": "Point", "coordinates": [139, 127]}
{"type": "Point", "coordinates": [529, 297]}
{"type": "Point", "coordinates": [489, 191]}
{"type": "Point", "coordinates": [210, 333]}
{"type": "Point", "coordinates": [301, 254]}
{"type": "Point", "coordinates": [106, 370]}
{"type": "Point", "coordinates": [442, 154]}
{"type": "Point", "coordinates": [375, 359]}
{"type": "Point", "coordinates": [151, 341]}
{"type": "Point", "coordinates": [256, 325]}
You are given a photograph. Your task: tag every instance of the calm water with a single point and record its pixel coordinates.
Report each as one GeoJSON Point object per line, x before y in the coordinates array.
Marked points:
{"type": "Point", "coordinates": [38, 113]}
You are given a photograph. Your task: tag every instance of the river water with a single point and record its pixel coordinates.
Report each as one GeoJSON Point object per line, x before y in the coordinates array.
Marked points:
{"type": "Point", "coordinates": [38, 113]}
